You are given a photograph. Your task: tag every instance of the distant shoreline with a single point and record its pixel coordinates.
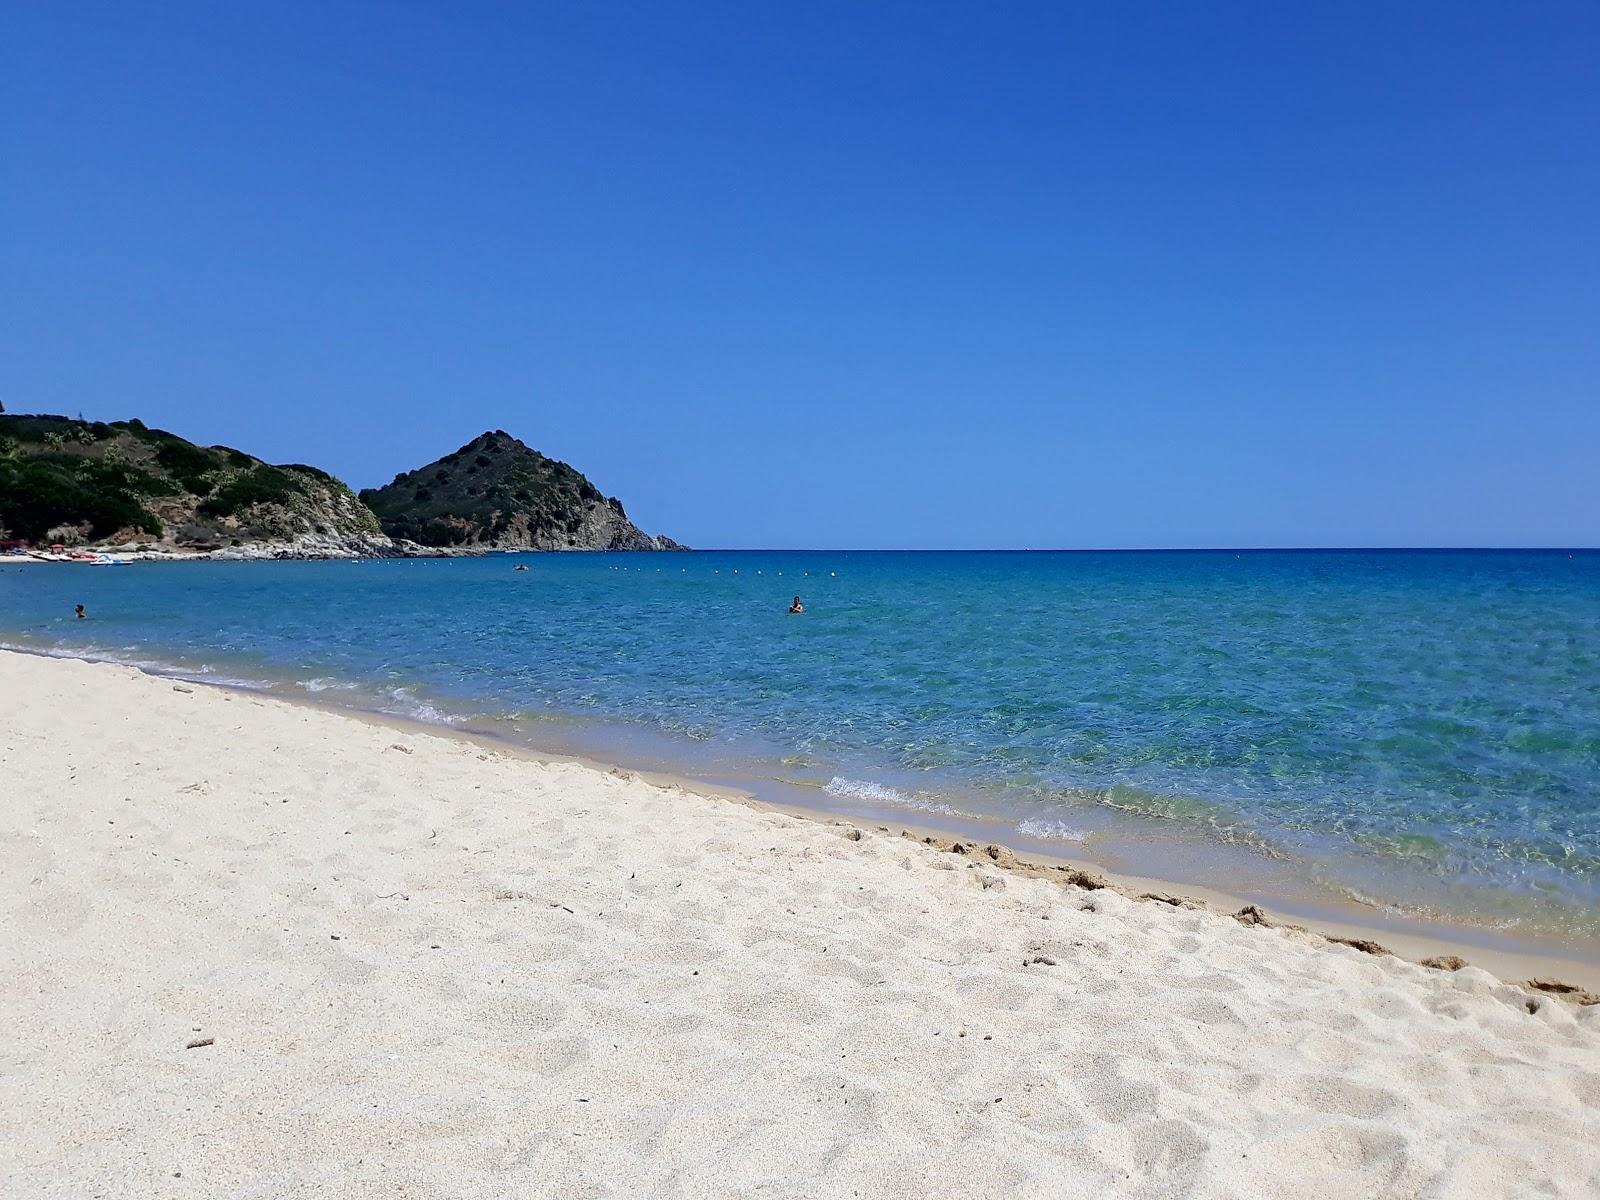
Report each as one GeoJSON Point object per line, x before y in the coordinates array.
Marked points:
{"type": "Point", "coordinates": [344, 548]}
{"type": "Point", "coordinates": [1150, 550]}
{"type": "Point", "coordinates": [296, 551]}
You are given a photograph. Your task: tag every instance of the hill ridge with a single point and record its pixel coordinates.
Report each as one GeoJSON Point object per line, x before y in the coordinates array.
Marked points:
{"type": "Point", "coordinates": [124, 484]}
{"type": "Point", "coordinates": [497, 492]}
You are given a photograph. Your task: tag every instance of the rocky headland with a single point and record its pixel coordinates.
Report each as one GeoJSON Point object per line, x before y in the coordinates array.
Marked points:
{"type": "Point", "coordinates": [138, 493]}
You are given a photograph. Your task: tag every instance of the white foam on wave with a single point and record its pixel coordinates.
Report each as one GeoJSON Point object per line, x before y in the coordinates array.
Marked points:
{"type": "Point", "coordinates": [206, 673]}
{"type": "Point", "coordinates": [230, 681]}
{"type": "Point", "coordinates": [405, 703]}
{"type": "Point", "coordinates": [862, 789]}
{"type": "Point", "coordinates": [327, 685]}
{"type": "Point", "coordinates": [1050, 830]}
{"type": "Point", "coordinates": [866, 789]}
{"type": "Point", "coordinates": [94, 654]}
{"type": "Point", "coordinates": [127, 657]}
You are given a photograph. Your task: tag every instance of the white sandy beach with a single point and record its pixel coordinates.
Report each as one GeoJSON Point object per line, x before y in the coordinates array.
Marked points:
{"type": "Point", "coordinates": [411, 965]}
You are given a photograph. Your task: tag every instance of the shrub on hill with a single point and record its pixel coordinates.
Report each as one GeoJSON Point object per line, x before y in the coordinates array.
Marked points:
{"type": "Point", "coordinates": [39, 494]}
{"type": "Point", "coordinates": [263, 485]}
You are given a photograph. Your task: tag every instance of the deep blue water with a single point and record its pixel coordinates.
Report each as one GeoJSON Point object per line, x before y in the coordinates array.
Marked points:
{"type": "Point", "coordinates": [1419, 727]}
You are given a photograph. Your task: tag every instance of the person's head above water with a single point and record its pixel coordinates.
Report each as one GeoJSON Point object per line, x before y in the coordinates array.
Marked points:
{"type": "Point", "coordinates": [797, 607]}
{"type": "Point", "coordinates": [80, 612]}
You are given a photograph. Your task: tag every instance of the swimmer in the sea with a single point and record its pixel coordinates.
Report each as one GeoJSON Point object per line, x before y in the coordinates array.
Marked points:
{"type": "Point", "coordinates": [796, 607]}
{"type": "Point", "coordinates": [84, 616]}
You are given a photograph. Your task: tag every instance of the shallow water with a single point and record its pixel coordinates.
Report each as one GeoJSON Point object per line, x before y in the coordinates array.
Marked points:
{"type": "Point", "coordinates": [1418, 729]}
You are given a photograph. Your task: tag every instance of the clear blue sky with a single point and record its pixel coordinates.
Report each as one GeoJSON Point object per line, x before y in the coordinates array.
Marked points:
{"type": "Point", "coordinates": [840, 275]}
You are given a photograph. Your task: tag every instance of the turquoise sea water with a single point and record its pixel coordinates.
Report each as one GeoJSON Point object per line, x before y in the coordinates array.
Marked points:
{"type": "Point", "coordinates": [1419, 731]}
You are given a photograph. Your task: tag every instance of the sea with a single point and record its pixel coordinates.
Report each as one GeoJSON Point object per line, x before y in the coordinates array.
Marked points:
{"type": "Point", "coordinates": [1412, 737]}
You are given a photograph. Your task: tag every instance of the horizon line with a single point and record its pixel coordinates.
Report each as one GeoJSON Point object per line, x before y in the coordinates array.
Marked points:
{"type": "Point", "coordinates": [1128, 550]}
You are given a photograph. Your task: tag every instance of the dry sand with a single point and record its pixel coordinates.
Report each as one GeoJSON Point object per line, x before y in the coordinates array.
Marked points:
{"type": "Point", "coordinates": [255, 949]}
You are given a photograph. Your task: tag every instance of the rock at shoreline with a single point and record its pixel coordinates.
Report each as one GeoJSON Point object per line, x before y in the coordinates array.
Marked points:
{"type": "Point", "coordinates": [306, 546]}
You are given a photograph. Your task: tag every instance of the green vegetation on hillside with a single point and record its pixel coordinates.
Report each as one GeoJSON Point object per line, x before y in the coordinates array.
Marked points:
{"type": "Point", "coordinates": [40, 493]}
{"type": "Point", "coordinates": [259, 485]}
{"type": "Point", "coordinates": [96, 480]}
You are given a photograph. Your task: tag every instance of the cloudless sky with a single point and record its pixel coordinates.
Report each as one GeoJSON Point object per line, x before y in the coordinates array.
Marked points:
{"type": "Point", "coordinates": [852, 274]}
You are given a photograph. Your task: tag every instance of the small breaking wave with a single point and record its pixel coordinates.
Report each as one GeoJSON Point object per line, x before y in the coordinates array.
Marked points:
{"type": "Point", "coordinates": [862, 789]}
{"type": "Point", "coordinates": [403, 702]}
{"type": "Point", "coordinates": [865, 789]}
{"type": "Point", "coordinates": [1049, 830]}
{"type": "Point", "coordinates": [126, 657]}
{"type": "Point", "coordinates": [328, 685]}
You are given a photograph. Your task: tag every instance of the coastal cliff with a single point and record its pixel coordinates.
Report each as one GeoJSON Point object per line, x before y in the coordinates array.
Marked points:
{"type": "Point", "coordinates": [496, 493]}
